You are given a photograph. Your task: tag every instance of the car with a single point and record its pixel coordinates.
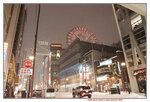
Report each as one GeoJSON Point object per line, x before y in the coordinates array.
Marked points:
{"type": "Point", "coordinates": [82, 91]}
{"type": "Point", "coordinates": [114, 90]}
{"type": "Point", "coordinates": [50, 93]}
{"type": "Point", "coordinates": [37, 93]}
{"type": "Point", "coordinates": [18, 94]}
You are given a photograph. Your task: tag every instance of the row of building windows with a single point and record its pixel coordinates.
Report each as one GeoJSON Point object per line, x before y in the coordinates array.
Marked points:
{"type": "Point", "coordinates": [69, 56]}
{"type": "Point", "coordinates": [70, 64]}
{"type": "Point", "coordinates": [140, 40]}
{"type": "Point", "coordinates": [126, 41]}
{"type": "Point", "coordinates": [140, 35]}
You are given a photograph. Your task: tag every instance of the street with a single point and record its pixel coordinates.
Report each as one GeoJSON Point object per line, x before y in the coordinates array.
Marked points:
{"type": "Point", "coordinates": [102, 95]}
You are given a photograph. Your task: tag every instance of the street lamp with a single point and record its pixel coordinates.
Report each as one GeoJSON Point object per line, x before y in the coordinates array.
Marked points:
{"type": "Point", "coordinates": [66, 82]}
{"type": "Point", "coordinates": [31, 57]}
{"type": "Point", "coordinates": [123, 64]}
{"type": "Point", "coordinates": [67, 79]}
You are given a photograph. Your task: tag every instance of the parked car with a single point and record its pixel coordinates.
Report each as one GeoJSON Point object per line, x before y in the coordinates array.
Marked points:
{"type": "Point", "coordinates": [82, 91]}
{"type": "Point", "coordinates": [18, 95]}
{"type": "Point", "coordinates": [115, 90]}
{"type": "Point", "coordinates": [37, 93]}
{"type": "Point", "coordinates": [50, 93]}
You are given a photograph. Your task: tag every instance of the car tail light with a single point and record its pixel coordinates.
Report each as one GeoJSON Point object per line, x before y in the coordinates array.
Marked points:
{"type": "Point", "coordinates": [81, 89]}
{"type": "Point", "coordinates": [82, 94]}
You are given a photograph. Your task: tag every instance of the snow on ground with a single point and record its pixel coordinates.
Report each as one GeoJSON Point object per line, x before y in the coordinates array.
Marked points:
{"type": "Point", "coordinates": [124, 95]}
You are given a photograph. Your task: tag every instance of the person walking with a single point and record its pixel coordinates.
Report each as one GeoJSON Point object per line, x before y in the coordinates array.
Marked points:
{"type": "Point", "coordinates": [143, 85]}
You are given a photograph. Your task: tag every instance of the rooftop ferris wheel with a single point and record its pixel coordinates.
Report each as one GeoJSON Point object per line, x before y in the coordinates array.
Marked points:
{"type": "Point", "coordinates": [81, 33]}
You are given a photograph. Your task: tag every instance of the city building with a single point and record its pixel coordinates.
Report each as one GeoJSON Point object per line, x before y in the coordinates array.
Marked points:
{"type": "Point", "coordinates": [112, 73]}
{"type": "Point", "coordinates": [11, 15]}
{"type": "Point", "coordinates": [131, 23]}
{"type": "Point", "coordinates": [14, 22]}
{"type": "Point", "coordinates": [77, 63]}
{"type": "Point", "coordinates": [55, 51]}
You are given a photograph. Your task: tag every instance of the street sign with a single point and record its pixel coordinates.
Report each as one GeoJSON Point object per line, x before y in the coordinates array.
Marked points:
{"type": "Point", "coordinates": [25, 71]}
{"type": "Point", "coordinates": [28, 64]}
{"type": "Point", "coordinates": [43, 43]}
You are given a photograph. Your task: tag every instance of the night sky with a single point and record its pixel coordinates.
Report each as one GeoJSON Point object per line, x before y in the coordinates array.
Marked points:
{"type": "Point", "coordinates": [56, 20]}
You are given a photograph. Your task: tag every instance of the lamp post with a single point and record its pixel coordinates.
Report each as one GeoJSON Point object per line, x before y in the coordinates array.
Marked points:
{"type": "Point", "coordinates": [66, 82]}
{"type": "Point", "coordinates": [29, 78]}
{"type": "Point", "coordinates": [35, 46]}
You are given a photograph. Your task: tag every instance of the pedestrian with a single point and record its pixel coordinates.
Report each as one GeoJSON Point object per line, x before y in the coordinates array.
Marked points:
{"type": "Point", "coordinates": [143, 85]}
{"type": "Point", "coordinates": [73, 92]}
{"type": "Point", "coordinates": [129, 90]}
{"type": "Point", "coordinates": [118, 89]}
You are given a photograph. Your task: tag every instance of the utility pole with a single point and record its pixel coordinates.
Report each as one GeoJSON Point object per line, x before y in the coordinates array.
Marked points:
{"type": "Point", "coordinates": [35, 46]}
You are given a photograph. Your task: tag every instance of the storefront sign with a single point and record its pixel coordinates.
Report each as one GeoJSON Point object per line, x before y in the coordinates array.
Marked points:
{"type": "Point", "coordinates": [106, 62]}
{"type": "Point", "coordinates": [25, 71]}
{"type": "Point", "coordinates": [56, 45]}
{"type": "Point", "coordinates": [139, 71]}
{"type": "Point", "coordinates": [102, 78]}
{"type": "Point", "coordinates": [5, 49]}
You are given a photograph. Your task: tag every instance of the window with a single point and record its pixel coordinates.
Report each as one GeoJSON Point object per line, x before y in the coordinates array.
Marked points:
{"type": "Point", "coordinates": [126, 41]}
{"type": "Point", "coordinates": [136, 21]}
{"type": "Point", "coordinates": [130, 60]}
{"type": "Point", "coordinates": [127, 46]}
{"type": "Point", "coordinates": [140, 34]}
{"type": "Point", "coordinates": [51, 90]}
{"type": "Point", "coordinates": [142, 40]}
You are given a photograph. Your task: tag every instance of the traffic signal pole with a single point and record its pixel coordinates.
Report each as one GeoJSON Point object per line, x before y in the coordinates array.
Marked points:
{"type": "Point", "coordinates": [35, 46]}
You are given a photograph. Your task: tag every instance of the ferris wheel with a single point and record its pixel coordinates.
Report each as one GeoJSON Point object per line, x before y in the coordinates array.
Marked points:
{"type": "Point", "coordinates": [80, 33]}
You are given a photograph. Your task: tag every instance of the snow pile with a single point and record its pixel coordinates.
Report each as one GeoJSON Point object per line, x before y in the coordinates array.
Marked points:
{"type": "Point", "coordinates": [123, 95]}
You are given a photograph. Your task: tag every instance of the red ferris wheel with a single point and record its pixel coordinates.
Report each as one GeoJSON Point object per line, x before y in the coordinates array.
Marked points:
{"type": "Point", "coordinates": [81, 33]}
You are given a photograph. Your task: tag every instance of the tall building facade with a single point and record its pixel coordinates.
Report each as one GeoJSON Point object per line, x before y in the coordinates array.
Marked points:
{"type": "Point", "coordinates": [77, 64]}
{"type": "Point", "coordinates": [14, 22]}
{"type": "Point", "coordinates": [132, 32]}
{"type": "Point", "coordinates": [56, 50]}
{"type": "Point", "coordinates": [11, 15]}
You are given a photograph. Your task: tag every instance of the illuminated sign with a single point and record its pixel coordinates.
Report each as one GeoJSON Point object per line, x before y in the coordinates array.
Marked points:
{"type": "Point", "coordinates": [106, 62]}
{"type": "Point", "coordinates": [102, 78]}
{"type": "Point", "coordinates": [43, 43]}
{"type": "Point", "coordinates": [56, 45]}
{"type": "Point", "coordinates": [5, 49]}
{"type": "Point", "coordinates": [25, 71]}
{"type": "Point", "coordinates": [5, 46]}
{"type": "Point", "coordinates": [139, 71]}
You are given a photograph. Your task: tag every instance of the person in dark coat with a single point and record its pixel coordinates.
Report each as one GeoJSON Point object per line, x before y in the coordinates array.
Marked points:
{"type": "Point", "coordinates": [143, 85]}
{"type": "Point", "coordinates": [73, 92]}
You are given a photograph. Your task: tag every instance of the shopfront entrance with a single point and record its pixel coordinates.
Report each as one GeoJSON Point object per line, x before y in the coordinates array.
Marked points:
{"type": "Point", "coordinates": [140, 75]}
